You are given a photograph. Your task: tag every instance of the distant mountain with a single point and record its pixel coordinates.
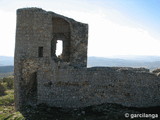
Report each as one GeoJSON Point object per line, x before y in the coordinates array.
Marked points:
{"type": "Point", "coordinates": [6, 69]}
{"type": "Point", "coordinates": [6, 61]}
{"type": "Point", "coordinates": [150, 62]}
{"type": "Point", "coordinates": [139, 58]}
{"type": "Point", "coordinates": [143, 61]}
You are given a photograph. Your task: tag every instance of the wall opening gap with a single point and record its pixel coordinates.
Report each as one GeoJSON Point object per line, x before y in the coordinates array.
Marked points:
{"type": "Point", "coordinates": [40, 52]}
{"type": "Point", "coordinates": [32, 88]}
{"type": "Point", "coordinates": [59, 48]}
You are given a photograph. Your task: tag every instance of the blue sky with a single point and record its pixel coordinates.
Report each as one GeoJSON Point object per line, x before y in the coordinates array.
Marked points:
{"type": "Point", "coordinates": [116, 27]}
{"type": "Point", "coordinates": [144, 12]}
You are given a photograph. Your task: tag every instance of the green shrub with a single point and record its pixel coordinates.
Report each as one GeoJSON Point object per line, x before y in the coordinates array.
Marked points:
{"type": "Point", "coordinates": [9, 82]}
{"type": "Point", "coordinates": [2, 89]}
{"type": "Point", "coordinates": [7, 99]}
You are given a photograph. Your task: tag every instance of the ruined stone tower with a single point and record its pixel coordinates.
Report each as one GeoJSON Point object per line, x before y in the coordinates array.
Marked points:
{"type": "Point", "coordinates": [36, 37]}
{"type": "Point", "coordinates": [43, 77]}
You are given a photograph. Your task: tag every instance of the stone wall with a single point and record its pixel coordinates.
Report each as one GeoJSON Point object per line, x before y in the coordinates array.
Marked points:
{"type": "Point", "coordinates": [92, 86]}
{"type": "Point", "coordinates": [43, 77]}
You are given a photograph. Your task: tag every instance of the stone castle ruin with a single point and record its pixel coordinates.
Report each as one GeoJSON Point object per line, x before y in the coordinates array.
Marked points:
{"type": "Point", "coordinates": [43, 77]}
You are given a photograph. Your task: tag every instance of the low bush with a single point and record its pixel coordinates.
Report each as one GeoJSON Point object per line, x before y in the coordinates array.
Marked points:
{"type": "Point", "coordinates": [7, 99]}
{"type": "Point", "coordinates": [2, 89]}
{"type": "Point", "coordinates": [9, 82]}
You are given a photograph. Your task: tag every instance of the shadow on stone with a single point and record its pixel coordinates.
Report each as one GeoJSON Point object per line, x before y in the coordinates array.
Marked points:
{"type": "Point", "coordinates": [97, 112]}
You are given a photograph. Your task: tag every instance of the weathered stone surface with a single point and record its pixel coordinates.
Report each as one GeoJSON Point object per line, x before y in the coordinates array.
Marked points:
{"type": "Point", "coordinates": [42, 77]}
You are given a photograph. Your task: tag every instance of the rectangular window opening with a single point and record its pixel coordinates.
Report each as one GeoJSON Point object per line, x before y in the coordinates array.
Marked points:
{"type": "Point", "coordinates": [40, 52]}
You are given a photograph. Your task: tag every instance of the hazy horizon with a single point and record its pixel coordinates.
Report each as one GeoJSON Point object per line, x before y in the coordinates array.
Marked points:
{"type": "Point", "coordinates": [149, 62]}
{"type": "Point", "coordinates": [125, 57]}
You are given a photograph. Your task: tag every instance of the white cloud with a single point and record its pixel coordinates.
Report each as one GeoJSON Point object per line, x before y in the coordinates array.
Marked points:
{"type": "Point", "coordinates": [122, 40]}
{"type": "Point", "coordinates": [109, 38]}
